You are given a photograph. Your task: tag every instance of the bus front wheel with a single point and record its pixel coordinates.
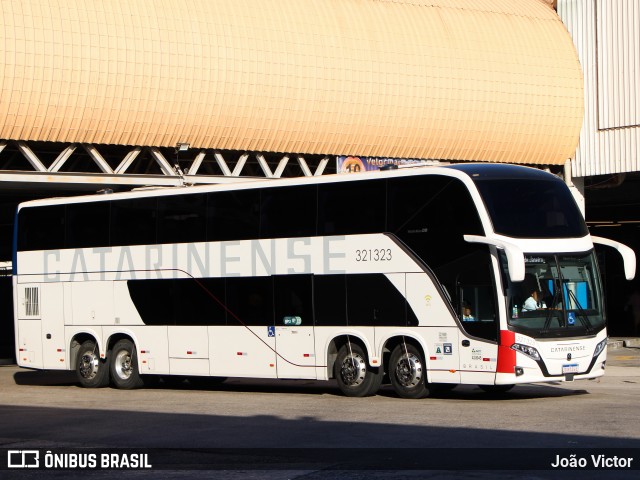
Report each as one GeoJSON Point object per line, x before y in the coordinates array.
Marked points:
{"type": "Point", "coordinates": [408, 372]}
{"type": "Point", "coordinates": [92, 371]}
{"type": "Point", "coordinates": [124, 366]}
{"type": "Point", "coordinates": [355, 377]}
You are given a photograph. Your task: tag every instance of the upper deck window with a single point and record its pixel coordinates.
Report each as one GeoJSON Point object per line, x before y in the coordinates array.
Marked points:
{"type": "Point", "coordinates": [532, 208]}
{"type": "Point", "coordinates": [42, 228]}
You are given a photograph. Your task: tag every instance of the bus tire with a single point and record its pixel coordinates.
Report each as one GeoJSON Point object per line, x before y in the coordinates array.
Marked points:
{"type": "Point", "coordinates": [91, 370]}
{"type": "Point", "coordinates": [124, 366]}
{"type": "Point", "coordinates": [356, 378]}
{"type": "Point", "coordinates": [408, 372]}
{"type": "Point", "coordinates": [496, 389]}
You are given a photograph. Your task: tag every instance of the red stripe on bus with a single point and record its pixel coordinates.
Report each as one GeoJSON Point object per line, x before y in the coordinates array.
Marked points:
{"type": "Point", "coordinates": [506, 356]}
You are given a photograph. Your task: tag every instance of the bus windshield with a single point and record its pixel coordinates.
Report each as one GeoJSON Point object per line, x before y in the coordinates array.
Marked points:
{"type": "Point", "coordinates": [559, 296]}
{"type": "Point", "coordinates": [532, 208]}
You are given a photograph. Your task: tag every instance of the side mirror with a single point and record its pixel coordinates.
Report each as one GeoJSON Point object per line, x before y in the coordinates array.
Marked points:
{"type": "Point", "coordinates": [628, 255]}
{"type": "Point", "coordinates": [515, 257]}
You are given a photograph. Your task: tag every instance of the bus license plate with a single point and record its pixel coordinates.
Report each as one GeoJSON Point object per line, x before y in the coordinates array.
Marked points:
{"type": "Point", "coordinates": [571, 368]}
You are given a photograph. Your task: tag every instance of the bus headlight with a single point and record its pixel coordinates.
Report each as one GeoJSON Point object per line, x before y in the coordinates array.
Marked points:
{"type": "Point", "coordinates": [527, 350]}
{"type": "Point", "coordinates": [600, 347]}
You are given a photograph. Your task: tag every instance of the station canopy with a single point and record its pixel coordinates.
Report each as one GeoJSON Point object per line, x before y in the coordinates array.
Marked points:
{"type": "Point", "coordinates": [482, 80]}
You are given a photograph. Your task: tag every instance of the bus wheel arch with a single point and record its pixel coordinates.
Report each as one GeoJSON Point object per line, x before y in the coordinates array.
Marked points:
{"type": "Point", "coordinates": [114, 338]}
{"type": "Point", "coordinates": [350, 366]}
{"type": "Point", "coordinates": [392, 342]}
{"type": "Point", "coordinates": [74, 345]}
{"type": "Point", "coordinates": [334, 345]}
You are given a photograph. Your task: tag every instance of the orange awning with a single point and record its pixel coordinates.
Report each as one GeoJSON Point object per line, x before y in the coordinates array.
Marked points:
{"type": "Point", "coordinates": [489, 80]}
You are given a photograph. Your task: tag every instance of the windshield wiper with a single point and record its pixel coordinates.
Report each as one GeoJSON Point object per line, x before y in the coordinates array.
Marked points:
{"type": "Point", "coordinates": [582, 312]}
{"type": "Point", "coordinates": [550, 311]}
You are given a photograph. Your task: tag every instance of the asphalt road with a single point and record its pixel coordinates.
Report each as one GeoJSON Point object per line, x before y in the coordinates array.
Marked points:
{"type": "Point", "coordinates": [48, 410]}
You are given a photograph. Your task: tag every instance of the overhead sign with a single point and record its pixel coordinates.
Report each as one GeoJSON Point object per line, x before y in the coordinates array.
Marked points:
{"type": "Point", "coordinates": [350, 164]}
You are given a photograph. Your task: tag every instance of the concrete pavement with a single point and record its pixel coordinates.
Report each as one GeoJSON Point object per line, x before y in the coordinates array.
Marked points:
{"type": "Point", "coordinates": [47, 410]}
{"type": "Point", "coordinates": [623, 352]}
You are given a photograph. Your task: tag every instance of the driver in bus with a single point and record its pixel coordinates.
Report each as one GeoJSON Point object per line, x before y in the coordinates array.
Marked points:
{"type": "Point", "coordinates": [534, 302]}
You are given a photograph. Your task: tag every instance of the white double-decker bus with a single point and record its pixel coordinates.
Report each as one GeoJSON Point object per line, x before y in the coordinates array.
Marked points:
{"type": "Point", "coordinates": [426, 275]}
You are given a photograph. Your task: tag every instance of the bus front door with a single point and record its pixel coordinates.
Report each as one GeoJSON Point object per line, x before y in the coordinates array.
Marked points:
{"type": "Point", "coordinates": [478, 338]}
{"type": "Point", "coordinates": [478, 360]}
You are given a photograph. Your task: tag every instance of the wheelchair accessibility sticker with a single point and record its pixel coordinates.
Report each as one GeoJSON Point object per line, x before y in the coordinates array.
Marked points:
{"type": "Point", "coordinates": [271, 331]}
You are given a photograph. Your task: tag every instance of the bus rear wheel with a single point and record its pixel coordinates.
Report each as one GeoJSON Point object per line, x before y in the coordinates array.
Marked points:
{"type": "Point", "coordinates": [91, 370]}
{"type": "Point", "coordinates": [355, 377]}
{"type": "Point", "coordinates": [408, 372]}
{"type": "Point", "coordinates": [124, 366]}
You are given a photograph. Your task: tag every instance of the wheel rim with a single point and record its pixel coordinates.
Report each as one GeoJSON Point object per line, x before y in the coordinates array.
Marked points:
{"type": "Point", "coordinates": [409, 370]}
{"type": "Point", "coordinates": [353, 370]}
{"type": "Point", "coordinates": [89, 365]}
{"type": "Point", "coordinates": [122, 364]}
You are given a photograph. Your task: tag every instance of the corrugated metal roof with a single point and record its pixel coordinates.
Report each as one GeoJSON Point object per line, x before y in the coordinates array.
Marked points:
{"type": "Point", "coordinates": [494, 80]}
{"type": "Point", "coordinates": [607, 38]}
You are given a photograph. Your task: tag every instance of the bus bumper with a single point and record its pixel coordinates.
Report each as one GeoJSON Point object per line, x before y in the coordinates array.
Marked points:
{"type": "Point", "coordinates": [527, 370]}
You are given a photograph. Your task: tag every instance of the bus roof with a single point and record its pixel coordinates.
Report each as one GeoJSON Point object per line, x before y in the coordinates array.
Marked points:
{"type": "Point", "coordinates": [470, 171]}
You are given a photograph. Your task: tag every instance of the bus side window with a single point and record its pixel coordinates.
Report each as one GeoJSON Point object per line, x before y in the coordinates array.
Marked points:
{"type": "Point", "coordinates": [87, 225]}
{"type": "Point", "coordinates": [179, 301]}
{"type": "Point", "coordinates": [233, 215]}
{"type": "Point", "coordinates": [41, 228]}
{"type": "Point", "coordinates": [293, 305]}
{"type": "Point", "coordinates": [181, 218]}
{"type": "Point", "coordinates": [330, 300]}
{"type": "Point", "coordinates": [200, 301]}
{"type": "Point", "coordinates": [133, 222]}
{"type": "Point", "coordinates": [155, 300]}
{"type": "Point", "coordinates": [432, 215]}
{"type": "Point", "coordinates": [250, 301]}
{"type": "Point", "coordinates": [351, 208]}
{"type": "Point", "coordinates": [373, 300]}
{"type": "Point", "coordinates": [288, 212]}
{"type": "Point", "coordinates": [477, 311]}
